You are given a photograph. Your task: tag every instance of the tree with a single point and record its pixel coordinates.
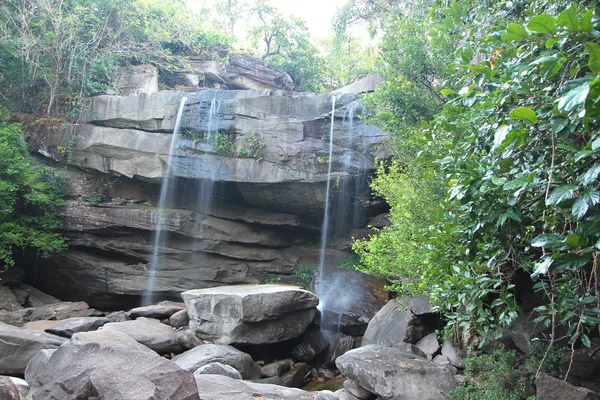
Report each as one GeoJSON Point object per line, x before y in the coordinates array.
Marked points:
{"type": "Point", "coordinates": [31, 198]}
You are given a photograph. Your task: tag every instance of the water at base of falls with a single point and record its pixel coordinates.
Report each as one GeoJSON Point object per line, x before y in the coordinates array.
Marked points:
{"type": "Point", "coordinates": [148, 296]}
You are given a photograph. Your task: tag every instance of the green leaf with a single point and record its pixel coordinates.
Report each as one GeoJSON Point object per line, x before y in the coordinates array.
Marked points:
{"type": "Point", "coordinates": [590, 175]}
{"type": "Point", "coordinates": [543, 23]}
{"type": "Point", "coordinates": [570, 261]}
{"type": "Point", "coordinates": [574, 97]}
{"type": "Point", "coordinates": [585, 340]}
{"type": "Point", "coordinates": [561, 193]}
{"type": "Point", "coordinates": [550, 64]}
{"type": "Point", "coordinates": [594, 51]}
{"type": "Point", "coordinates": [574, 241]}
{"type": "Point", "coordinates": [586, 21]}
{"type": "Point", "coordinates": [447, 92]}
{"type": "Point", "coordinates": [569, 19]}
{"type": "Point", "coordinates": [515, 32]}
{"type": "Point", "coordinates": [499, 137]}
{"type": "Point", "coordinates": [542, 267]}
{"type": "Point", "coordinates": [524, 114]}
{"type": "Point", "coordinates": [549, 240]}
{"type": "Point", "coordinates": [580, 208]}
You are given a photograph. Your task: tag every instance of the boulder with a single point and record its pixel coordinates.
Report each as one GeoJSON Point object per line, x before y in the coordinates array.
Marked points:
{"type": "Point", "coordinates": [188, 339]}
{"type": "Point", "coordinates": [18, 346]}
{"type": "Point", "coordinates": [68, 327]}
{"type": "Point", "coordinates": [393, 374]}
{"type": "Point", "coordinates": [444, 361]}
{"type": "Point", "coordinates": [12, 276]}
{"type": "Point", "coordinates": [400, 321]}
{"type": "Point", "coordinates": [12, 388]}
{"type": "Point", "coordinates": [29, 296]}
{"type": "Point", "coordinates": [16, 318]}
{"type": "Point", "coordinates": [339, 345]}
{"type": "Point", "coordinates": [367, 84]}
{"type": "Point", "coordinates": [162, 310]}
{"type": "Point", "coordinates": [296, 376]}
{"type": "Point", "coordinates": [8, 301]}
{"type": "Point", "coordinates": [219, 369]}
{"type": "Point", "coordinates": [250, 314]}
{"type": "Point", "coordinates": [429, 345]}
{"type": "Point", "coordinates": [549, 388]}
{"type": "Point", "coordinates": [357, 391]}
{"type": "Point", "coordinates": [314, 342]}
{"type": "Point", "coordinates": [37, 364]}
{"type": "Point", "coordinates": [247, 72]}
{"type": "Point", "coordinates": [149, 332]}
{"type": "Point", "coordinates": [136, 79]}
{"type": "Point", "coordinates": [454, 356]}
{"type": "Point", "coordinates": [110, 365]}
{"type": "Point", "coordinates": [63, 310]}
{"type": "Point", "coordinates": [276, 368]}
{"type": "Point", "coordinates": [206, 354]}
{"type": "Point", "coordinates": [179, 319]}
{"type": "Point", "coordinates": [343, 394]}
{"type": "Point", "coordinates": [217, 387]}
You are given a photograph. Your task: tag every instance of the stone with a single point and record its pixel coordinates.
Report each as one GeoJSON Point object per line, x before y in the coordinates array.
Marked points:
{"type": "Point", "coordinates": [29, 296]}
{"type": "Point", "coordinates": [523, 330]}
{"type": "Point", "coordinates": [179, 319]}
{"type": "Point", "coordinates": [16, 318]}
{"type": "Point", "coordinates": [444, 361]}
{"type": "Point", "coordinates": [583, 363]}
{"type": "Point", "coordinates": [63, 310]}
{"type": "Point", "coordinates": [217, 387]}
{"type": "Point", "coordinates": [136, 79]}
{"type": "Point", "coordinates": [393, 374]}
{"type": "Point", "coordinates": [68, 327]}
{"type": "Point", "coordinates": [219, 369]}
{"type": "Point", "coordinates": [247, 72]}
{"type": "Point", "coordinates": [410, 348]}
{"type": "Point", "coordinates": [340, 344]}
{"type": "Point", "coordinates": [399, 321]}
{"type": "Point", "coordinates": [314, 342]}
{"type": "Point", "coordinates": [452, 354]}
{"type": "Point", "coordinates": [200, 356]}
{"type": "Point", "coordinates": [38, 326]}
{"type": "Point", "coordinates": [37, 364]}
{"type": "Point", "coordinates": [8, 301]}
{"type": "Point", "coordinates": [18, 346]}
{"type": "Point", "coordinates": [343, 394]}
{"type": "Point", "coordinates": [149, 332]}
{"type": "Point", "coordinates": [117, 316]}
{"type": "Point", "coordinates": [357, 391]}
{"type": "Point", "coordinates": [12, 389]}
{"type": "Point", "coordinates": [549, 388]}
{"type": "Point", "coordinates": [276, 368]}
{"type": "Point", "coordinates": [250, 314]}
{"type": "Point", "coordinates": [295, 377]}
{"type": "Point", "coordinates": [115, 366]}
{"type": "Point", "coordinates": [429, 345]}
{"type": "Point", "coordinates": [367, 84]}
{"type": "Point", "coordinates": [188, 339]}
{"type": "Point", "coordinates": [162, 310]}
{"type": "Point", "coordinates": [12, 276]}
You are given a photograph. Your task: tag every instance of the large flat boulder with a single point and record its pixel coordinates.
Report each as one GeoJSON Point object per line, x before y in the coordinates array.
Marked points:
{"type": "Point", "coordinates": [110, 365]}
{"type": "Point", "coordinates": [68, 327]}
{"type": "Point", "coordinates": [149, 332]}
{"type": "Point", "coordinates": [18, 346]}
{"type": "Point", "coordinates": [550, 388]}
{"type": "Point", "coordinates": [217, 387]}
{"type": "Point", "coordinates": [250, 314]}
{"type": "Point", "coordinates": [162, 310]}
{"type": "Point", "coordinates": [392, 373]}
{"type": "Point", "coordinates": [201, 356]}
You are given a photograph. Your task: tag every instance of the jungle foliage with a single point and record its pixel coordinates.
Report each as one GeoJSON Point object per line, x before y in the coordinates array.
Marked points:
{"type": "Point", "coordinates": [499, 101]}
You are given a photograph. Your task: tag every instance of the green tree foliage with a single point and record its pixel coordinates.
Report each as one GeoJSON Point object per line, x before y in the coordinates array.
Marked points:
{"type": "Point", "coordinates": [515, 147]}
{"type": "Point", "coordinates": [348, 59]}
{"type": "Point", "coordinates": [31, 198]}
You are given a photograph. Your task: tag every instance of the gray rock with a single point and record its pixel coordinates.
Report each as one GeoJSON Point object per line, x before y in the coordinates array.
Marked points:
{"type": "Point", "coordinates": [13, 275]}
{"type": "Point", "coordinates": [218, 368]}
{"type": "Point", "coordinates": [250, 314]}
{"type": "Point", "coordinates": [523, 330]}
{"type": "Point", "coordinates": [276, 368]}
{"type": "Point", "coordinates": [11, 388]}
{"type": "Point", "coordinates": [340, 344]}
{"type": "Point", "coordinates": [16, 318]}
{"type": "Point", "coordinates": [117, 316]}
{"type": "Point", "coordinates": [179, 319]}
{"type": "Point", "coordinates": [114, 367]}
{"type": "Point", "coordinates": [37, 365]}
{"type": "Point", "coordinates": [453, 354]}
{"type": "Point", "coordinates": [549, 388]}
{"type": "Point", "coordinates": [295, 377]}
{"type": "Point", "coordinates": [136, 79]}
{"type": "Point", "coordinates": [217, 387]}
{"type": "Point", "coordinates": [63, 310]}
{"type": "Point", "coordinates": [391, 373]}
{"type": "Point", "coordinates": [200, 356]}
{"type": "Point", "coordinates": [429, 345]}
{"type": "Point", "coordinates": [39, 326]}
{"type": "Point", "coordinates": [8, 301]}
{"type": "Point", "coordinates": [399, 321]}
{"type": "Point", "coordinates": [343, 394]}
{"type": "Point", "coordinates": [367, 84]}
{"type": "Point", "coordinates": [444, 361]}
{"type": "Point", "coordinates": [314, 342]}
{"type": "Point", "coordinates": [188, 339]}
{"type": "Point", "coordinates": [29, 296]}
{"type": "Point", "coordinates": [18, 346]}
{"type": "Point", "coordinates": [247, 72]}
{"type": "Point", "coordinates": [149, 332]}
{"type": "Point", "coordinates": [68, 327]}
{"type": "Point", "coordinates": [357, 391]}
{"type": "Point", "coordinates": [162, 310]}
{"type": "Point", "coordinates": [410, 348]}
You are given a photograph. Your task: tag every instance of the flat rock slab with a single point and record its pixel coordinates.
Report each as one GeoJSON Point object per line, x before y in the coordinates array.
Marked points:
{"type": "Point", "coordinates": [110, 365]}
{"type": "Point", "coordinates": [549, 388]}
{"type": "Point", "coordinates": [18, 346]}
{"type": "Point", "coordinates": [63, 310]}
{"type": "Point", "coordinates": [162, 310]}
{"type": "Point", "coordinates": [394, 374]}
{"type": "Point", "coordinates": [217, 387]}
{"type": "Point", "coordinates": [68, 327]}
{"type": "Point", "coordinates": [250, 314]}
{"type": "Point", "coordinates": [149, 332]}
{"type": "Point", "coordinates": [206, 354]}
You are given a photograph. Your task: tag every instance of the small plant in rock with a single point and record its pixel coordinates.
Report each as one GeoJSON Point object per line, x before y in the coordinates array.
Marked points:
{"type": "Point", "coordinates": [306, 275]}
{"type": "Point", "coordinates": [256, 146]}
{"type": "Point", "coordinates": [275, 279]}
{"type": "Point", "coordinates": [95, 198]}
{"type": "Point", "coordinates": [221, 144]}
{"type": "Point", "coordinates": [242, 152]}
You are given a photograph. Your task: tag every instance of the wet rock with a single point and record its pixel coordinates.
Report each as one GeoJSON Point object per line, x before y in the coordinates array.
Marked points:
{"type": "Point", "coordinates": [276, 368]}
{"type": "Point", "coordinates": [400, 321]}
{"type": "Point", "coordinates": [314, 342]}
{"type": "Point", "coordinates": [391, 373]}
{"type": "Point", "coordinates": [18, 346]}
{"type": "Point", "coordinates": [296, 376]}
{"type": "Point", "coordinates": [68, 327]}
{"type": "Point", "coordinates": [250, 314]}
{"type": "Point", "coordinates": [219, 369]}
{"type": "Point", "coordinates": [162, 310]}
{"type": "Point", "coordinates": [149, 332]}
{"type": "Point", "coordinates": [206, 354]}
{"type": "Point", "coordinates": [549, 388]}
{"type": "Point", "coordinates": [115, 366]}
{"type": "Point", "coordinates": [340, 344]}
{"type": "Point", "coordinates": [179, 319]}
{"type": "Point", "coordinates": [429, 345]}
{"type": "Point", "coordinates": [357, 391]}
{"type": "Point", "coordinates": [216, 387]}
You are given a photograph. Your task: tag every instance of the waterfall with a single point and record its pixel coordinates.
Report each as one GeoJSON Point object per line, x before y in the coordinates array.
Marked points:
{"type": "Point", "coordinates": [165, 190]}
{"type": "Point", "coordinates": [325, 226]}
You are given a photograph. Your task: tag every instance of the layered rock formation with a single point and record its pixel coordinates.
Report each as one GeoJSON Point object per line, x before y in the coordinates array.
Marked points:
{"type": "Point", "coordinates": [269, 166]}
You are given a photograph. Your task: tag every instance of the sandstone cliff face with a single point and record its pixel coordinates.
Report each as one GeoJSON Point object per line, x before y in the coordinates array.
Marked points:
{"type": "Point", "coordinates": [270, 174]}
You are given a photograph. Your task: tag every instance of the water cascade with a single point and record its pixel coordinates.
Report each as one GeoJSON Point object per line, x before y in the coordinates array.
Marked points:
{"type": "Point", "coordinates": [166, 190]}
